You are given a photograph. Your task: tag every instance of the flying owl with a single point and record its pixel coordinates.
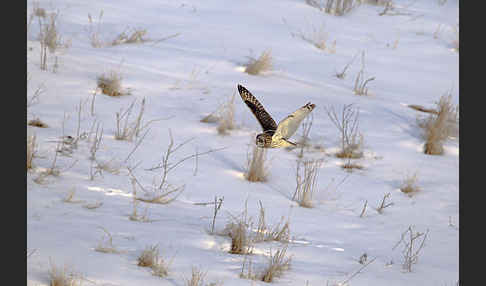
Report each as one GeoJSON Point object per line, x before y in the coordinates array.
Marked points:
{"type": "Point", "coordinates": [274, 136]}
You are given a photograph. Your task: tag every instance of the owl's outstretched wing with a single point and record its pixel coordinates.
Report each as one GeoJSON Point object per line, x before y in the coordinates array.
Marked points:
{"type": "Point", "coordinates": [287, 127]}
{"type": "Point", "coordinates": [266, 121]}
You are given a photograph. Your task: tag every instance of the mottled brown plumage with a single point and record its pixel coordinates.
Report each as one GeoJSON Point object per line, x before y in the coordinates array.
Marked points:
{"type": "Point", "coordinates": [266, 121]}
{"type": "Point", "coordinates": [274, 136]}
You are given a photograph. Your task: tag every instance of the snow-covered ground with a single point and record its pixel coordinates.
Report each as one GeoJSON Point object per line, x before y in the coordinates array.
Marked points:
{"type": "Point", "coordinates": [188, 76]}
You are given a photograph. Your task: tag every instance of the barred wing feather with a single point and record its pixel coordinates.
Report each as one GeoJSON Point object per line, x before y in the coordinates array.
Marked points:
{"type": "Point", "coordinates": [289, 125]}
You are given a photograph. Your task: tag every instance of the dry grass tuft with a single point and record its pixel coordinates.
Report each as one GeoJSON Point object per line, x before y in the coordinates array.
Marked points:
{"type": "Point", "coordinates": [131, 37]}
{"type": "Point", "coordinates": [239, 230]}
{"type": "Point", "coordinates": [262, 64]}
{"type": "Point", "coordinates": [347, 124]}
{"type": "Point", "coordinates": [149, 257]}
{"type": "Point", "coordinates": [210, 118]}
{"type": "Point", "coordinates": [349, 154]}
{"type": "Point", "coordinates": [160, 269]}
{"type": "Point", "coordinates": [340, 7]}
{"type": "Point", "coordinates": [266, 233]}
{"type": "Point", "coordinates": [227, 117]}
{"type": "Point", "coordinates": [241, 241]}
{"type": "Point", "coordinates": [130, 130]}
{"type": "Point", "coordinates": [49, 35]}
{"type": "Point", "coordinates": [135, 216]}
{"type": "Point", "coordinates": [110, 84]}
{"type": "Point", "coordinates": [318, 37]}
{"type": "Point", "coordinates": [49, 38]}
{"type": "Point", "coordinates": [62, 277]}
{"type": "Point", "coordinates": [250, 273]}
{"type": "Point", "coordinates": [197, 277]}
{"type": "Point", "coordinates": [277, 264]}
{"type": "Point", "coordinates": [256, 170]}
{"type": "Point", "coordinates": [334, 7]}
{"type": "Point", "coordinates": [438, 128]}
{"type": "Point", "coordinates": [244, 235]}
{"type": "Point", "coordinates": [351, 166]}
{"type": "Point", "coordinates": [306, 182]}
{"type": "Point", "coordinates": [31, 150]}
{"type": "Point", "coordinates": [409, 185]}
{"type": "Point", "coordinates": [38, 11]}
{"type": "Point", "coordinates": [69, 198]}
{"type": "Point", "coordinates": [377, 2]}
{"type": "Point", "coordinates": [36, 122]}
{"type": "Point", "coordinates": [106, 243]}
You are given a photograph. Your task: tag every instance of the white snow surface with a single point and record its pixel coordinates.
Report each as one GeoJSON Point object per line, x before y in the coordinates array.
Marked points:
{"type": "Point", "coordinates": [187, 77]}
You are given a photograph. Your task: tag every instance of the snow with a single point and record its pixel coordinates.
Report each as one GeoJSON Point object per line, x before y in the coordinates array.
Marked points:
{"type": "Point", "coordinates": [187, 77]}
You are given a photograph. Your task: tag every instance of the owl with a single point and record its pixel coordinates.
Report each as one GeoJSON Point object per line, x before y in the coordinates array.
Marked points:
{"type": "Point", "coordinates": [274, 136]}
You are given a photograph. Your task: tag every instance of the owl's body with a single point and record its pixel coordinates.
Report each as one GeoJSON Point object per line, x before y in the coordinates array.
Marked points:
{"type": "Point", "coordinates": [267, 140]}
{"type": "Point", "coordinates": [274, 136]}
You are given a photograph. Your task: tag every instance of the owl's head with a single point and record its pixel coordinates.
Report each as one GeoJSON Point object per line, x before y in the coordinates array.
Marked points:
{"type": "Point", "coordinates": [260, 140]}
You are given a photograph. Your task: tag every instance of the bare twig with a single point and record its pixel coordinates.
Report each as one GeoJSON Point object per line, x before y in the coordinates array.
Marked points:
{"type": "Point", "coordinates": [410, 254]}
{"type": "Point", "coordinates": [306, 182]}
{"type": "Point", "coordinates": [160, 166]}
{"type": "Point", "coordinates": [35, 96]}
{"type": "Point", "coordinates": [31, 150]}
{"type": "Point", "coordinates": [93, 102]}
{"type": "Point", "coordinates": [166, 38]}
{"type": "Point", "coordinates": [135, 216]}
{"type": "Point", "coordinates": [383, 204]}
{"type": "Point", "coordinates": [306, 127]}
{"type": "Point", "coordinates": [96, 143]}
{"type": "Point", "coordinates": [160, 192]}
{"type": "Point", "coordinates": [136, 146]}
{"type": "Point", "coordinates": [423, 109]}
{"type": "Point", "coordinates": [29, 254]}
{"type": "Point", "coordinates": [196, 163]}
{"type": "Point", "coordinates": [347, 124]}
{"type": "Point", "coordinates": [217, 206]}
{"type": "Point", "coordinates": [364, 209]}
{"type": "Point", "coordinates": [342, 74]}
{"type": "Point", "coordinates": [94, 35]}
{"type": "Point", "coordinates": [360, 82]}
{"type": "Point", "coordinates": [357, 272]}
